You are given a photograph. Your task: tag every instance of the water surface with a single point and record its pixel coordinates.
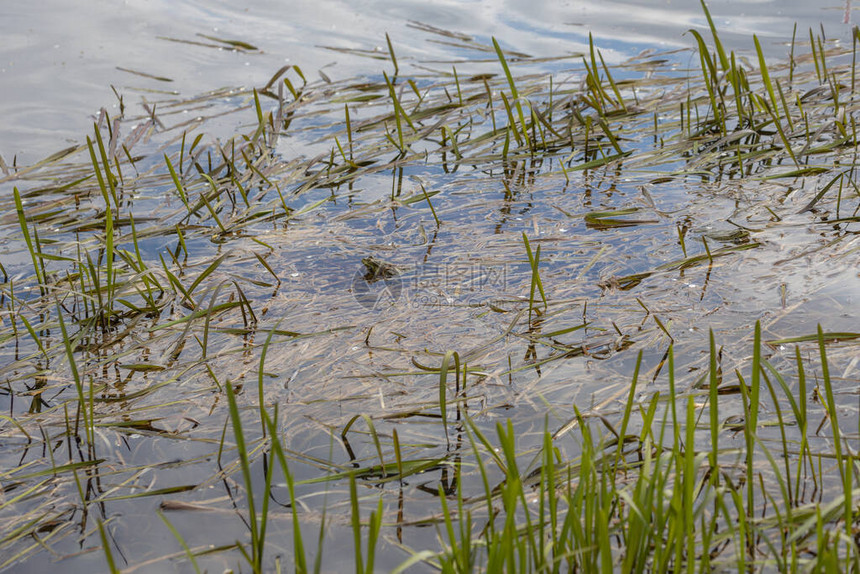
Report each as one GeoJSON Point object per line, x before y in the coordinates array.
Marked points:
{"type": "Point", "coordinates": [347, 346]}
{"type": "Point", "coordinates": [59, 59]}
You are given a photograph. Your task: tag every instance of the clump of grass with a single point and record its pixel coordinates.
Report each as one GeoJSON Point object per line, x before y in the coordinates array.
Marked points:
{"type": "Point", "coordinates": [646, 501]}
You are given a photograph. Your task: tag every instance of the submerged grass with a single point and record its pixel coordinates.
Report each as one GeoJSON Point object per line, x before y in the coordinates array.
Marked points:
{"type": "Point", "coordinates": [145, 272]}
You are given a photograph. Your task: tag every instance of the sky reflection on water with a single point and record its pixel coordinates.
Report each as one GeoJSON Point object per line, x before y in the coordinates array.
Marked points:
{"type": "Point", "coordinates": [59, 59]}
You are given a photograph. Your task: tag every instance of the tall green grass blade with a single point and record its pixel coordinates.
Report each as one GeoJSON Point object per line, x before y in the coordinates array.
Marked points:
{"type": "Point", "coordinates": [432, 210]}
{"type": "Point", "coordinates": [25, 232]}
{"type": "Point", "coordinates": [176, 183]}
{"type": "Point", "coordinates": [392, 55]}
{"type": "Point", "coordinates": [713, 407]}
{"type": "Point", "coordinates": [773, 107]}
{"type": "Point", "coordinates": [73, 366]}
{"type": "Point", "coordinates": [844, 473]}
{"type": "Point", "coordinates": [628, 409]}
{"type": "Point", "coordinates": [724, 61]}
{"type": "Point", "coordinates": [257, 542]}
{"type": "Point", "coordinates": [209, 207]}
{"type": "Point", "coordinates": [443, 387]}
{"type": "Point", "coordinates": [299, 557]}
{"type": "Point", "coordinates": [536, 283]}
{"type": "Point", "coordinates": [106, 548]}
{"type": "Point", "coordinates": [181, 541]}
{"type": "Point", "coordinates": [355, 518]}
{"type": "Point", "coordinates": [514, 93]}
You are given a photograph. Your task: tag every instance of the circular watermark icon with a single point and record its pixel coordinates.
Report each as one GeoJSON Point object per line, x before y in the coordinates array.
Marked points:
{"type": "Point", "coordinates": [376, 284]}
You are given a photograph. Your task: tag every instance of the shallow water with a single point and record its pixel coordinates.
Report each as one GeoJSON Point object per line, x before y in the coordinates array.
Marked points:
{"type": "Point", "coordinates": [59, 59]}
{"type": "Point", "coordinates": [461, 286]}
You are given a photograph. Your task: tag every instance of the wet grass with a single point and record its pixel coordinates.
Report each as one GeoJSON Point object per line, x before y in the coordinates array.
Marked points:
{"type": "Point", "coordinates": [592, 345]}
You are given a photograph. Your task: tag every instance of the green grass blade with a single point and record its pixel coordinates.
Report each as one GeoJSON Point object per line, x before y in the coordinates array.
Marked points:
{"type": "Point", "coordinates": [514, 93]}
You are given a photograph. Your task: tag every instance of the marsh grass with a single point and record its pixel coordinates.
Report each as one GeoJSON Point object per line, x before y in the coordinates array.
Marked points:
{"type": "Point", "coordinates": [147, 271]}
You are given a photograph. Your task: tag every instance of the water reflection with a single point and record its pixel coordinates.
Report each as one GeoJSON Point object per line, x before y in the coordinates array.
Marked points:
{"type": "Point", "coordinates": [59, 59]}
{"type": "Point", "coordinates": [653, 278]}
